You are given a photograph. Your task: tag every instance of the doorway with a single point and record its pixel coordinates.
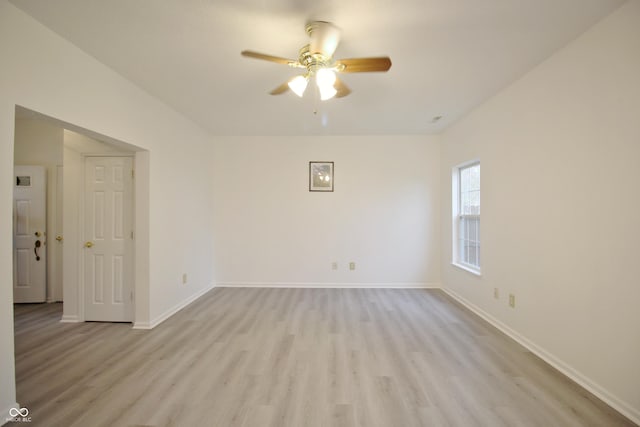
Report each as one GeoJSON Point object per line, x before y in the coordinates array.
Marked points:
{"type": "Point", "coordinates": [63, 148]}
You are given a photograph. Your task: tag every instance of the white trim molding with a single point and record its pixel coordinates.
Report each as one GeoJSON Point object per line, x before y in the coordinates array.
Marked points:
{"type": "Point", "coordinates": [600, 392]}
{"type": "Point", "coordinates": [468, 269]}
{"type": "Point", "coordinates": [173, 310]}
{"type": "Point", "coordinates": [70, 318]}
{"type": "Point", "coordinates": [390, 285]}
{"type": "Point", "coordinates": [142, 325]}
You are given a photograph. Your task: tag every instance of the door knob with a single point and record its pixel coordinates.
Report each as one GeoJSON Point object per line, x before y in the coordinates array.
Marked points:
{"type": "Point", "coordinates": [59, 238]}
{"type": "Point", "coordinates": [88, 244]}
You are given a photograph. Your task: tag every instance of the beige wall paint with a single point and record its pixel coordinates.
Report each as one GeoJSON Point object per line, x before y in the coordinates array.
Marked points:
{"type": "Point", "coordinates": [383, 214]}
{"type": "Point", "coordinates": [559, 152]}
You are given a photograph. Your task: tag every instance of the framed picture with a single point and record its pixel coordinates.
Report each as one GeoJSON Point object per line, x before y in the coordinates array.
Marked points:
{"type": "Point", "coordinates": [320, 176]}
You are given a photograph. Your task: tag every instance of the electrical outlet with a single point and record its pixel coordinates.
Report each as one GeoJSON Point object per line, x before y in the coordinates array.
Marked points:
{"type": "Point", "coordinates": [352, 266]}
{"type": "Point", "coordinates": [334, 265]}
{"type": "Point", "coordinates": [184, 278]}
{"type": "Point", "coordinates": [512, 301]}
{"type": "Point", "coordinates": [496, 293]}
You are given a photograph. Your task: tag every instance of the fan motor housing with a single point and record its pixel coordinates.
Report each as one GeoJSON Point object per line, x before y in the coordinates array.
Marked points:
{"type": "Point", "coordinates": [324, 37]}
{"type": "Point", "coordinates": [313, 61]}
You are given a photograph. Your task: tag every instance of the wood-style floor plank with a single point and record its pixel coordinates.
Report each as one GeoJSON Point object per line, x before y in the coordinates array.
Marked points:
{"type": "Point", "coordinates": [293, 357]}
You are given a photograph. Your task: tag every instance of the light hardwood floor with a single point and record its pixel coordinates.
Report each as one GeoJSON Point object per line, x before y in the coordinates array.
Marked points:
{"type": "Point", "coordinates": [293, 357]}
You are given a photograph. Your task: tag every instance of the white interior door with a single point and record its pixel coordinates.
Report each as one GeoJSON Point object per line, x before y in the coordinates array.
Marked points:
{"type": "Point", "coordinates": [108, 235]}
{"type": "Point", "coordinates": [29, 233]}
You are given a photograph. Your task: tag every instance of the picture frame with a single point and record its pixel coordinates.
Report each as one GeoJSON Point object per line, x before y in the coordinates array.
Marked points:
{"type": "Point", "coordinates": [321, 176]}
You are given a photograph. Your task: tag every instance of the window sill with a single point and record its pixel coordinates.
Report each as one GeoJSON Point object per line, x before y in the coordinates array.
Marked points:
{"type": "Point", "coordinates": [469, 269]}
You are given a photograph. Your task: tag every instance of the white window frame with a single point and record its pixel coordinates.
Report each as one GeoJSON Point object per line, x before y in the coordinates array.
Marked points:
{"type": "Point", "coordinates": [458, 218]}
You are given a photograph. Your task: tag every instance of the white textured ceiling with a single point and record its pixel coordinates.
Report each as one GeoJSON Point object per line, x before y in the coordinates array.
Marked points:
{"type": "Point", "coordinates": [448, 55]}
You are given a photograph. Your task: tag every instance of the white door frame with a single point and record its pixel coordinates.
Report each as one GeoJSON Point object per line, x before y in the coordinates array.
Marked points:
{"type": "Point", "coordinates": [55, 237]}
{"type": "Point", "coordinates": [73, 287]}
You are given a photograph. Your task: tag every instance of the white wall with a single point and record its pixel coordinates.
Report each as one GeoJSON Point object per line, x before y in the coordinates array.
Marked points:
{"type": "Point", "coordinates": [383, 214]}
{"type": "Point", "coordinates": [559, 152]}
{"type": "Point", "coordinates": [44, 73]}
{"type": "Point", "coordinates": [39, 142]}
{"type": "Point", "coordinates": [72, 175]}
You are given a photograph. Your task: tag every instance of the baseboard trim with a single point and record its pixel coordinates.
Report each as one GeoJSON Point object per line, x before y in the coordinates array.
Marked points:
{"type": "Point", "coordinates": [173, 310]}
{"type": "Point", "coordinates": [70, 318]}
{"type": "Point", "coordinates": [600, 392]}
{"type": "Point", "coordinates": [392, 285]}
{"type": "Point", "coordinates": [141, 325]}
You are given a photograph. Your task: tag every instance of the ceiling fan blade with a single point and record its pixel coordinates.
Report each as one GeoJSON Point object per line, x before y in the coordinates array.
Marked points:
{"type": "Point", "coordinates": [341, 88]}
{"type": "Point", "coordinates": [276, 59]}
{"type": "Point", "coordinates": [324, 37]}
{"type": "Point", "coordinates": [280, 89]}
{"type": "Point", "coordinates": [363, 65]}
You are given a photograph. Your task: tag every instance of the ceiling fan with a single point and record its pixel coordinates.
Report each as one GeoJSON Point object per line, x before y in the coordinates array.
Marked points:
{"type": "Point", "coordinates": [316, 59]}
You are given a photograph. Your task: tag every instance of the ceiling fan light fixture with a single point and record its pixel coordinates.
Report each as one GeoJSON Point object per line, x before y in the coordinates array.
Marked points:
{"type": "Point", "coordinates": [325, 79]}
{"type": "Point", "coordinates": [316, 58]}
{"type": "Point", "coordinates": [327, 93]}
{"type": "Point", "coordinates": [298, 85]}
